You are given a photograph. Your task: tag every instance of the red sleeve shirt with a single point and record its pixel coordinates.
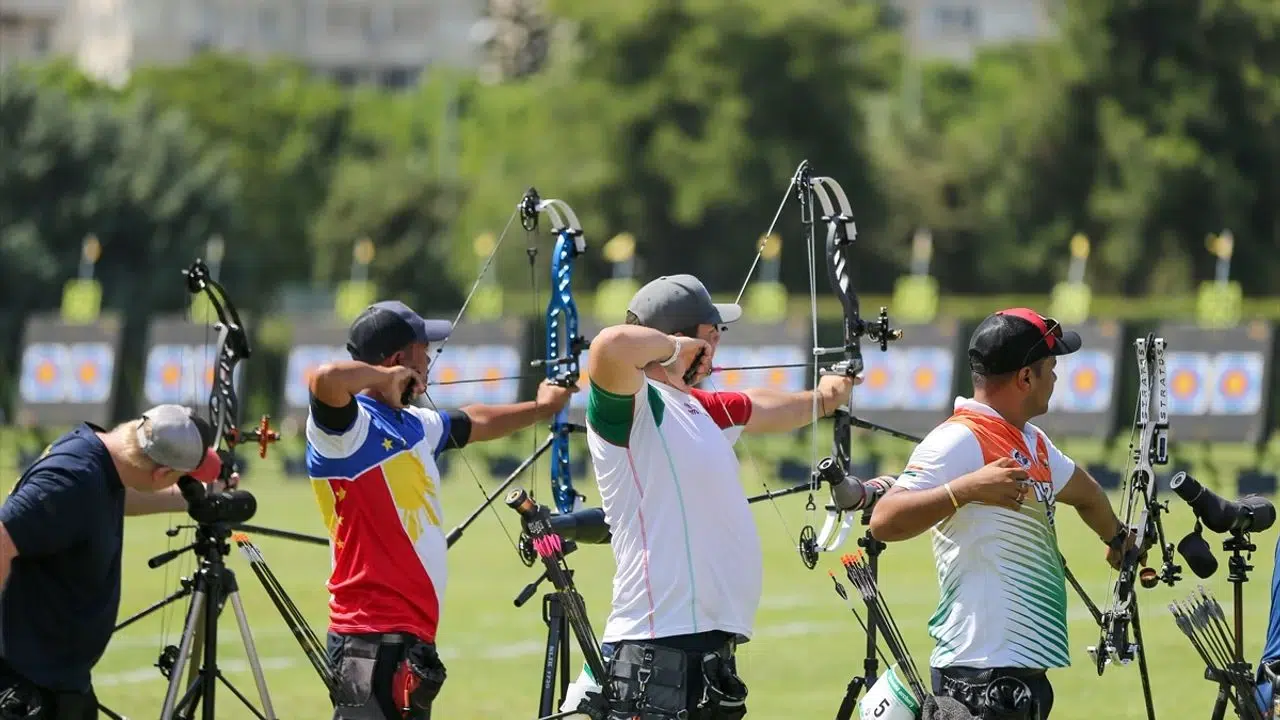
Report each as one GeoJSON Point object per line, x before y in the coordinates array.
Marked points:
{"type": "Point", "coordinates": [728, 409]}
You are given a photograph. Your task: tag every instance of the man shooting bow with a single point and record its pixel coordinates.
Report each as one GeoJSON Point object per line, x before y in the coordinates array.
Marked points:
{"type": "Point", "coordinates": [61, 533]}
{"type": "Point", "coordinates": [689, 563]}
{"type": "Point", "coordinates": [986, 482]}
{"type": "Point", "coordinates": [372, 462]}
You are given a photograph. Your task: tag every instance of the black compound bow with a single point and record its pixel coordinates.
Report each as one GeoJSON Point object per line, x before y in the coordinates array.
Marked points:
{"type": "Point", "coordinates": [1150, 449]}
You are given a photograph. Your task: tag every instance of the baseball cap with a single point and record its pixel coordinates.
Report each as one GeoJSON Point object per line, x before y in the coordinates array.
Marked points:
{"type": "Point", "coordinates": [673, 303]}
{"type": "Point", "coordinates": [173, 437]}
{"type": "Point", "coordinates": [386, 327]}
{"type": "Point", "coordinates": [1012, 339]}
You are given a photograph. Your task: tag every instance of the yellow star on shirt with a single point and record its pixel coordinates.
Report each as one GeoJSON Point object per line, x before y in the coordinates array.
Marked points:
{"type": "Point", "coordinates": [386, 444]}
{"type": "Point", "coordinates": [341, 494]}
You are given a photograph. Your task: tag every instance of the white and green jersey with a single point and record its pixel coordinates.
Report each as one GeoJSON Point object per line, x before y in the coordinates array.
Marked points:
{"type": "Point", "coordinates": [1002, 593]}
{"type": "Point", "coordinates": [684, 540]}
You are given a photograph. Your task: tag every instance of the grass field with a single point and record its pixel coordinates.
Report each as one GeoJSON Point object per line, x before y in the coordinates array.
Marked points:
{"type": "Point", "coordinates": [806, 648]}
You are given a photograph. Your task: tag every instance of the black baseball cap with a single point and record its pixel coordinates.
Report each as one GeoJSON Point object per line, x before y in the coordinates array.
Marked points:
{"type": "Point", "coordinates": [385, 328]}
{"type": "Point", "coordinates": [675, 303]}
{"type": "Point", "coordinates": [1012, 339]}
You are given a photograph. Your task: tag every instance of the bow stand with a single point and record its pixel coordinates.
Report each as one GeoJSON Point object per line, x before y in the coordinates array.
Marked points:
{"type": "Point", "coordinates": [563, 345]}
{"type": "Point", "coordinates": [213, 583]}
{"type": "Point", "coordinates": [1150, 449]}
{"type": "Point", "coordinates": [563, 610]}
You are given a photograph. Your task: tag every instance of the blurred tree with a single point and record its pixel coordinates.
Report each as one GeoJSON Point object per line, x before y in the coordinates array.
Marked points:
{"type": "Point", "coordinates": [284, 131]}
{"type": "Point", "coordinates": [134, 176]}
{"type": "Point", "coordinates": [682, 122]}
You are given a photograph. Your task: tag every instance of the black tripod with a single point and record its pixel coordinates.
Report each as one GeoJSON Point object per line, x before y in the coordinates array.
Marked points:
{"type": "Point", "coordinates": [870, 665]}
{"type": "Point", "coordinates": [555, 660]}
{"type": "Point", "coordinates": [211, 587]}
{"type": "Point", "coordinates": [1238, 568]}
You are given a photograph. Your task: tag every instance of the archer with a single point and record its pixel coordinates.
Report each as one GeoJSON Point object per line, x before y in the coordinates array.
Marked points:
{"type": "Point", "coordinates": [689, 562]}
{"type": "Point", "coordinates": [986, 482]}
{"type": "Point", "coordinates": [61, 534]}
{"type": "Point", "coordinates": [371, 456]}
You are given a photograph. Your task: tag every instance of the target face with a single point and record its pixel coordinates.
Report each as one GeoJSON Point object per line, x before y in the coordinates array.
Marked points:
{"type": "Point", "coordinates": [483, 363]}
{"type": "Point", "coordinates": [182, 374]}
{"type": "Point", "coordinates": [1189, 375]}
{"type": "Point", "coordinates": [927, 374]}
{"type": "Point", "coordinates": [55, 373]}
{"type": "Point", "coordinates": [764, 368]}
{"type": "Point", "coordinates": [878, 390]}
{"type": "Point", "coordinates": [302, 364]}
{"type": "Point", "coordinates": [1237, 384]}
{"type": "Point", "coordinates": [1086, 381]}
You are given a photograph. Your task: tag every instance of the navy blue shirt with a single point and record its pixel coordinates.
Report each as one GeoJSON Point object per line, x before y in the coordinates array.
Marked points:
{"type": "Point", "coordinates": [1271, 651]}
{"type": "Point", "coordinates": [66, 519]}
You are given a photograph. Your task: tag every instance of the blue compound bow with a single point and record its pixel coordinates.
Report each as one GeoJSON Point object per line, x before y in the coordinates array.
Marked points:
{"type": "Point", "coordinates": [564, 347]}
{"type": "Point", "coordinates": [565, 343]}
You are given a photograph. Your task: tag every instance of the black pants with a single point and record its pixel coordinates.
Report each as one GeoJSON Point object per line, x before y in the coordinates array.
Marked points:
{"type": "Point", "coordinates": [364, 668]}
{"type": "Point", "coordinates": [20, 699]}
{"type": "Point", "coordinates": [967, 684]}
{"type": "Point", "coordinates": [694, 646]}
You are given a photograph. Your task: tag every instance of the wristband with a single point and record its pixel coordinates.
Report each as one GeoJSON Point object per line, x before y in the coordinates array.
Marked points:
{"type": "Point", "coordinates": [675, 354]}
{"type": "Point", "coordinates": [952, 495]}
{"type": "Point", "coordinates": [1117, 542]}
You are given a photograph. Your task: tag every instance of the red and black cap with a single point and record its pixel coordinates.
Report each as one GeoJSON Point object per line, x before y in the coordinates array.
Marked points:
{"type": "Point", "coordinates": [1012, 339]}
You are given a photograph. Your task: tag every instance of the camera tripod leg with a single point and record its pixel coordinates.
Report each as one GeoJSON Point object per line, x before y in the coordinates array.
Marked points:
{"type": "Point", "coordinates": [251, 653]}
{"type": "Point", "coordinates": [194, 616]}
{"type": "Point", "coordinates": [555, 668]}
{"type": "Point", "coordinates": [1142, 663]}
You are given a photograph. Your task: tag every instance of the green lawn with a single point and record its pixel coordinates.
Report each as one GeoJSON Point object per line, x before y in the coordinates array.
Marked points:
{"type": "Point", "coordinates": [807, 644]}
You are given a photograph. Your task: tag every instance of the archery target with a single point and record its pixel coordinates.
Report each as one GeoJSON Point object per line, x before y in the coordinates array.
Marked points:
{"type": "Point", "coordinates": [764, 369]}
{"type": "Point", "coordinates": [54, 373]}
{"type": "Point", "coordinates": [879, 387]}
{"type": "Point", "coordinates": [1086, 381]}
{"type": "Point", "coordinates": [43, 368]}
{"type": "Point", "coordinates": [1189, 375]}
{"type": "Point", "coordinates": [302, 364]}
{"type": "Point", "coordinates": [926, 378]}
{"type": "Point", "coordinates": [1237, 383]}
{"type": "Point", "coordinates": [486, 363]}
{"type": "Point", "coordinates": [182, 374]}
{"type": "Point", "coordinates": [89, 373]}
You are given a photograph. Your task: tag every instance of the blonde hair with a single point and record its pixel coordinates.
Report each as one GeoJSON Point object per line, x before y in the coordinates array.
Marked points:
{"type": "Point", "coordinates": [132, 450]}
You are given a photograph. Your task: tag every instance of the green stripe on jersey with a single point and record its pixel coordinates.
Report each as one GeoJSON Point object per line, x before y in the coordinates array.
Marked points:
{"type": "Point", "coordinates": [611, 414]}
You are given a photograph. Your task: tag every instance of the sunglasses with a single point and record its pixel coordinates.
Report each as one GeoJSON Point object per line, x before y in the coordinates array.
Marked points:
{"type": "Point", "coordinates": [1051, 335]}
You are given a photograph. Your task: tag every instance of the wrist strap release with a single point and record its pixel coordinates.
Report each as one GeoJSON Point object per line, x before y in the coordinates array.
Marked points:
{"type": "Point", "coordinates": [675, 354]}
{"type": "Point", "coordinates": [1117, 542]}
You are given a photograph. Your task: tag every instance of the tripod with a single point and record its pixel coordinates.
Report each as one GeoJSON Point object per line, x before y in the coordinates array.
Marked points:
{"type": "Point", "coordinates": [211, 587]}
{"type": "Point", "coordinates": [555, 663]}
{"type": "Point", "coordinates": [1238, 568]}
{"type": "Point", "coordinates": [870, 666]}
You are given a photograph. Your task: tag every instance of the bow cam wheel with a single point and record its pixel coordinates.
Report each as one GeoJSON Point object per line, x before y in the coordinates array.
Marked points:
{"type": "Point", "coordinates": [808, 547]}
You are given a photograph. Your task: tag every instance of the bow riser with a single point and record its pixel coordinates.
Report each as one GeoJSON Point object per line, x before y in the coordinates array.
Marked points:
{"type": "Point", "coordinates": [565, 344]}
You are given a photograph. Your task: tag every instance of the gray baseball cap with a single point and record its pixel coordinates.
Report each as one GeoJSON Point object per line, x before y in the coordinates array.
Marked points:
{"type": "Point", "coordinates": [673, 303]}
{"type": "Point", "coordinates": [173, 437]}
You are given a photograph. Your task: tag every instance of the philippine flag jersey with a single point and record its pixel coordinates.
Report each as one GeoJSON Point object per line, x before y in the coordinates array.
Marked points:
{"type": "Point", "coordinates": [377, 485]}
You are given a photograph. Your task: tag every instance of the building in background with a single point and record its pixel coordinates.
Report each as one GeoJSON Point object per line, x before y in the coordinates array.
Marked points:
{"type": "Point", "coordinates": [385, 42]}
{"type": "Point", "coordinates": [388, 42]}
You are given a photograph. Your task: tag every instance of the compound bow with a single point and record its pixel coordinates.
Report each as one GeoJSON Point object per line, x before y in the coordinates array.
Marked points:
{"type": "Point", "coordinates": [564, 345]}
{"type": "Point", "coordinates": [1150, 449]}
{"type": "Point", "coordinates": [233, 346]}
{"type": "Point", "coordinates": [837, 213]}
{"type": "Point", "coordinates": [564, 341]}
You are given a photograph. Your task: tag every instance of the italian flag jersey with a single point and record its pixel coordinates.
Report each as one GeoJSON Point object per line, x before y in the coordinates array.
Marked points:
{"type": "Point", "coordinates": [1002, 592]}
{"type": "Point", "coordinates": [684, 540]}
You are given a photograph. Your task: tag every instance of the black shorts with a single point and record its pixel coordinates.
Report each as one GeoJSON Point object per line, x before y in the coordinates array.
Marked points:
{"type": "Point", "coordinates": [368, 671]}
{"type": "Point", "coordinates": [965, 685]}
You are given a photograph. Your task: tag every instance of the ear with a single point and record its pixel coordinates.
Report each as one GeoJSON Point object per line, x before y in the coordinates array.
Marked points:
{"type": "Point", "coordinates": [160, 477]}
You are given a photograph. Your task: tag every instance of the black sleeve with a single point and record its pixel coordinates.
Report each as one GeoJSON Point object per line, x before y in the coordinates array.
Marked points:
{"type": "Point", "coordinates": [459, 431]}
{"type": "Point", "coordinates": [335, 419]}
{"type": "Point", "coordinates": [50, 511]}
